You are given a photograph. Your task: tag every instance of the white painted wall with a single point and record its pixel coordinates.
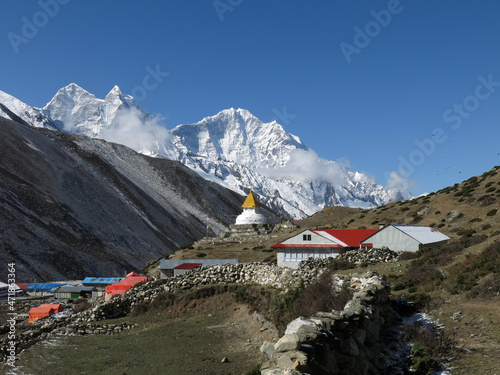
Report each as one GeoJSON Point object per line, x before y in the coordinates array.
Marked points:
{"type": "Point", "coordinates": [291, 257]}
{"type": "Point", "coordinates": [394, 239]}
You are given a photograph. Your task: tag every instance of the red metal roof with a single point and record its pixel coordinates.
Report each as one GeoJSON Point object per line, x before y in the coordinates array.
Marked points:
{"type": "Point", "coordinates": [23, 285]}
{"type": "Point", "coordinates": [187, 266]}
{"type": "Point", "coordinates": [128, 282]}
{"type": "Point", "coordinates": [351, 237]}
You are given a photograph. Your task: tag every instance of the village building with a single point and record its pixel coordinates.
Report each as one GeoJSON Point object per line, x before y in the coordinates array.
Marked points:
{"type": "Point", "coordinates": [398, 237]}
{"type": "Point", "coordinates": [10, 290]}
{"type": "Point", "coordinates": [327, 243]}
{"type": "Point", "coordinates": [99, 284]}
{"type": "Point", "coordinates": [183, 268]}
{"type": "Point", "coordinates": [73, 292]}
{"type": "Point", "coordinates": [122, 286]}
{"type": "Point", "coordinates": [42, 289]}
{"type": "Point", "coordinates": [168, 267]}
{"type": "Point", "coordinates": [44, 310]}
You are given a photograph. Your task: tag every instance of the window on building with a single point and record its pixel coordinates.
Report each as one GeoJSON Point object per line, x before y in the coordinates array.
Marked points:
{"type": "Point", "coordinates": [306, 237]}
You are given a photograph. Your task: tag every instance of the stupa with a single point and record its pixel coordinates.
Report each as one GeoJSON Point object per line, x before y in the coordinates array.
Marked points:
{"type": "Point", "coordinates": [250, 214]}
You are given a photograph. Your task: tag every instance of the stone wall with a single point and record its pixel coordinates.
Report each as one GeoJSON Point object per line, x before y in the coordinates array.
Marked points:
{"type": "Point", "coordinates": [357, 340]}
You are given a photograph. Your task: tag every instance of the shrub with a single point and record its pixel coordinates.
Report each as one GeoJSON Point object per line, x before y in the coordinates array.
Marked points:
{"type": "Point", "coordinates": [339, 264]}
{"type": "Point", "coordinates": [407, 255]}
{"type": "Point", "coordinates": [419, 275]}
{"type": "Point", "coordinates": [486, 226]}
{"type": "Point", "coordinates": [464, 275]}
{"type": "Point", "coordinates": [430, 344]}
{"type": "Point", "coordinates": [492, 212]}
{"type": "Point", "coordinates": [488, 289]}
{"type": "Point", "coordinates": [487, 200]}
{"type": "Point", "coordinates": [320, 296]}
{"type": "Point", "coordinates": [437, 212]}
{"type": "Point", "coordinates": [403, 209]}
{"type": "Point", "coordinates": [491, 189]}
{"type": "Point", "coordinates": [476, 219]}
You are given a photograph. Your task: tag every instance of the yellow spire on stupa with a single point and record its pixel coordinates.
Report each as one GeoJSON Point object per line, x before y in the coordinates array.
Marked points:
{"type": "Point", "coordinates": [251, 201]}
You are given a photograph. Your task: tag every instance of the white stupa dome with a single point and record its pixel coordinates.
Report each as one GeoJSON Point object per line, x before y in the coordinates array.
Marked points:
{"type": "Point", "coordinates": [250, 214]}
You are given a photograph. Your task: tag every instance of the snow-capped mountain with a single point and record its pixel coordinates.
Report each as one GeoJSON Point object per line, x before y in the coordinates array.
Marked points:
{"type": "Point", "coordinates": [237, 149]}
{"type": "Point", "coordinates": [18, 111]}
{"type": "Point", "coordinates": [233, 148]}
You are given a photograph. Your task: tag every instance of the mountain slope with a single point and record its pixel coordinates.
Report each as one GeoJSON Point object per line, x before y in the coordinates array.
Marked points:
{"type": "Point", "coordinates": [71, 206]}
{"type": "Point", "coordinates": [467, 207]}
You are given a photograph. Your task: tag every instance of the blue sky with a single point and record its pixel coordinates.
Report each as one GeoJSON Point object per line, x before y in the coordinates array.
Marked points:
{"type": "Point", "coordinates": [411, 86]}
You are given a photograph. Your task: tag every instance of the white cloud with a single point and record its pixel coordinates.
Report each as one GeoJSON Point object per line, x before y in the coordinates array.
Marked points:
{"type": "Point", "coordinates": [398, 182]}
{"type": "Point", "coordinates": [132, 129]}
{"type": "Point", "coordinates": [308, 166]}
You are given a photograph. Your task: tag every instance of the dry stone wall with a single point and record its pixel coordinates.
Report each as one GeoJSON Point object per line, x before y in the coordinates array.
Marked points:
{"type": "Point", "coordinates": [356, 340]}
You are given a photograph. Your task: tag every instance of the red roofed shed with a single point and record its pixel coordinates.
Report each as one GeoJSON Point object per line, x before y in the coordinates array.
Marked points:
{"type": "Point", "coordinates": [44, 310]}
{"type": "Point", "coordinates": [122, 286]}
{"type": "Point", "coordinates": [185, 267]}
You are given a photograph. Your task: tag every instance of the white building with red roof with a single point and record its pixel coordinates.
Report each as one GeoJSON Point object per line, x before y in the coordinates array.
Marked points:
{"type": "Point", "coordinates": [326, 243]}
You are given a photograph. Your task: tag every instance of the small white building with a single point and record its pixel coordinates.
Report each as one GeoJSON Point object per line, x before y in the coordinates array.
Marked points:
{"type": "Point", "coordinates": [399, 237]}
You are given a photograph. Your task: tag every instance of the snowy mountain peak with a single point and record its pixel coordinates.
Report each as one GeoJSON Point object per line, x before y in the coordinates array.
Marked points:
{"type": "Point", "coordinates": [74, 93]}
{"type": "Point", "coordinates": [115, 91]}
{"type": "Point", "coordinates": [233, 148]}
{"type": "Point", "coordinates": [237, 136]}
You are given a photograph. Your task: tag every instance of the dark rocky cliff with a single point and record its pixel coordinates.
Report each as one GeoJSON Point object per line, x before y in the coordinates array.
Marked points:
{"type": "Point", "coordinates": [72, 206]}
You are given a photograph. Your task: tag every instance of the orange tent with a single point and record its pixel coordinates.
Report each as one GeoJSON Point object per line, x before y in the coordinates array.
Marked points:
{"type": "Point", "coordinates": [122, 286]}
{"type": "Point", "coordinates": [44, 310]}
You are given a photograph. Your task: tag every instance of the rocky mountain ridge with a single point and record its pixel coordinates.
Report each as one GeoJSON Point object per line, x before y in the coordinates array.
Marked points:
{"type": "Point", "coordinates": [232, 148]}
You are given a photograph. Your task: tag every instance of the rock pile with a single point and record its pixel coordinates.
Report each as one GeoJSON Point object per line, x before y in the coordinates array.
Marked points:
{"type": "Point", "coordinates": [357, 256]}
{"type": "Point", "coordinates": [351, 341]}
{"type": "Point", "coordinates": [364, 256]}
